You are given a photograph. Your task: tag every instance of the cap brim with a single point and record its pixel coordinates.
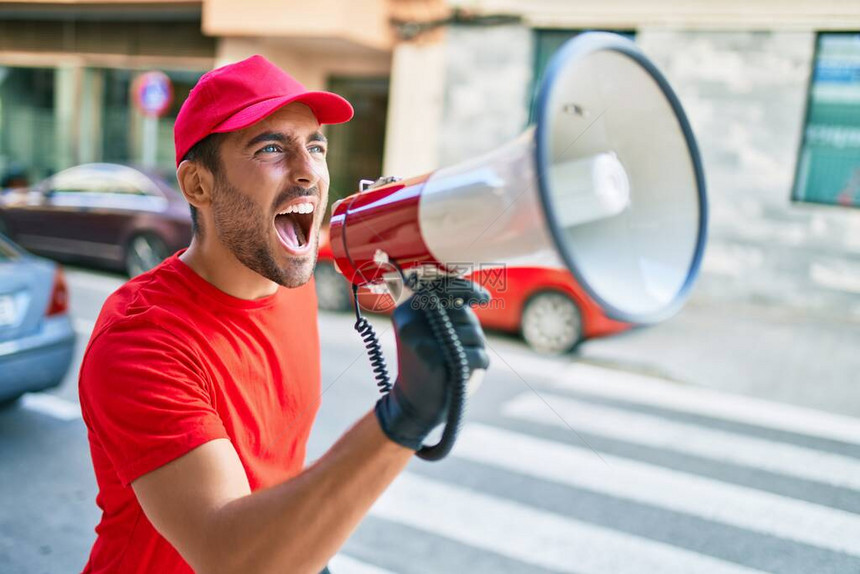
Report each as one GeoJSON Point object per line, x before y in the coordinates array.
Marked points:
{"type": "Point", "coordinates": [328, 108]}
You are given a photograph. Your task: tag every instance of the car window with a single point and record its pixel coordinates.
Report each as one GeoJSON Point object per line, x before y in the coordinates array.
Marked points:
{"type": "Point", "coordinates": [90, 181]}
{"type": "Point", "coordinates": [7, 251]}
{"type": "Point", "coordinates": [102, 179]}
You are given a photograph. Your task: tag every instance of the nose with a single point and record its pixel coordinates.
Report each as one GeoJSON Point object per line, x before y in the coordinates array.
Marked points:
{"type": "Point", "coordinates": [304, 171]}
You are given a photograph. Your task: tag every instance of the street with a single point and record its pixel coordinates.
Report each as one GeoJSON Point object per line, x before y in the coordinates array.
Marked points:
{"type": "Point", "coordinates": [620, 460]}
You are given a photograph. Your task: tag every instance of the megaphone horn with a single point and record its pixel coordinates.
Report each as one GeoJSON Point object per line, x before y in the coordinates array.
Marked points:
{"type": "Point", "coordinates": [608, 184]}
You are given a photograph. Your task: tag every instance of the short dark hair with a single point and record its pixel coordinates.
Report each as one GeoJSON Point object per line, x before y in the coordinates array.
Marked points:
{"type": "Point", "coordinates": [205, 152]}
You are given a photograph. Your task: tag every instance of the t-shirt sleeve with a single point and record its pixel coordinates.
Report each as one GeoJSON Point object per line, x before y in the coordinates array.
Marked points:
{"type": "Point", "coordinates": [145, 397]}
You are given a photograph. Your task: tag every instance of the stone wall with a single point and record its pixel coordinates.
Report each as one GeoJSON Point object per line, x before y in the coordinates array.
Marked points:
{"type": "Point", "coordinates": [487, 83]}
{"type": "Point", "coordinates": [745, 95]}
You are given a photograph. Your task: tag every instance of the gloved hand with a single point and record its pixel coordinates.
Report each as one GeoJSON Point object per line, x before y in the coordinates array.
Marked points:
{"type": "Point", "coordinates": [418, 401]}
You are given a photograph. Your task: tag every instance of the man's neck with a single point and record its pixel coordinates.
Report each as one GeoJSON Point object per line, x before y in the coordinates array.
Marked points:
{"type": "Point", "coordinates": [217, 265]}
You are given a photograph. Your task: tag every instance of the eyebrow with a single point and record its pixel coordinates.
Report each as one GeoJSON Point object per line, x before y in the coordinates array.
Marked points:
{"type": "Point", "coordinates": [317, 137]}
{"type": "Point", "coordinates": [281, 137]}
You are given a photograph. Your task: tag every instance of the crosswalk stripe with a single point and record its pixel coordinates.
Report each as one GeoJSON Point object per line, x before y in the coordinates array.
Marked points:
{"type": "Point", "coordinates": [103, 284]}
{"type": "Point", "coordinates": [84, 326]}
{"type": "Point", "coordinates": [51, 405]}
{"type": "Point", "coordinates": [661, 433]}
{"type": "Point", "coordinates": [342, 564]}
{"type": "Point", "coordinates": [646, 390]}
{"type": "Point", "coordinates": [706, 498]}
{"type": "Point", "coordinates": [533, 536]}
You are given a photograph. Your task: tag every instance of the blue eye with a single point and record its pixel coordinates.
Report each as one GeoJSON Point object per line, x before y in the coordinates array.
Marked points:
{"type": "Point", "coordinates": [271, 148]}
{"type": "Point", "coordinates": [316, 149]}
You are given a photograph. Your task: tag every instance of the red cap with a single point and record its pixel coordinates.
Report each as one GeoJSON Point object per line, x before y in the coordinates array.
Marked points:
{"type": "Point", "coordinates": [238, 95]}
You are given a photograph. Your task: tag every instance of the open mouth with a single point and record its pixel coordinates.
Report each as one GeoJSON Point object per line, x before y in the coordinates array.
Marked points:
{"type": "Point", "coordinates": [293, 225]}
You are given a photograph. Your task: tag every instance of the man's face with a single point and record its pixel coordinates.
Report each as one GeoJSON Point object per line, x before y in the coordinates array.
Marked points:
{"type": "Point", "coordinates": [270, 195]}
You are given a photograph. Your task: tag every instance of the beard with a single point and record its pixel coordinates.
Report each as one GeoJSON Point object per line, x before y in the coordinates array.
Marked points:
{"type": "Point", "coordinates": [246, 230]}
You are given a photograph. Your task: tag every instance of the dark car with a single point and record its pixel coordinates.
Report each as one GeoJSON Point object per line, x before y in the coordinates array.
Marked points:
{"type": "Point", "coordinates": [37, 341]}
{"type": "Point", "coordinates": [104, 214]}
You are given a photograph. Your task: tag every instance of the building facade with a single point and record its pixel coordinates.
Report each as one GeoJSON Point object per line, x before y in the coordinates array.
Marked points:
{"type": "Point", "coordinates": [67, 71]}
{"type": "Point", "coordinates": [771, 87]}
{"type": "Point", "coordinates": [772, 90]}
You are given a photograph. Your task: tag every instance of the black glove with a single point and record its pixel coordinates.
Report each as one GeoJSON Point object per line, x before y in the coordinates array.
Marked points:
{"type": "Point", "coordinates": [418, 402]}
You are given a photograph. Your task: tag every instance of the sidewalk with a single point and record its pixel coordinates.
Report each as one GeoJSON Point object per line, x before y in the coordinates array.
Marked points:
{"type": "Point", "coordinates": [778, 352]}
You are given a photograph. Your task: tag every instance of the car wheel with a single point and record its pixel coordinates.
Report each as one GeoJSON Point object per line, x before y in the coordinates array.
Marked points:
{"type": "Point", "coordinates": [332, 289]}
{"type": "Point", "coordinates": [144, 252]}
{"type": "Point", "coordinates": [551, 323]}
{"type": "Point", "coordinates": [9, 402]}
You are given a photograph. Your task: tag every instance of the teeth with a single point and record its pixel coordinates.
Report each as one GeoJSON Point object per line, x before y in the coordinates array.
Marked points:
{"type": "Point", "coordinates": [299, 208]}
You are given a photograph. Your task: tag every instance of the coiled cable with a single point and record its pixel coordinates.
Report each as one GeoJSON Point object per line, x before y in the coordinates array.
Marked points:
{"type": "Point", "coordinates": [456, 363]}
{"type": "Point", "coordinates": [374, 348]}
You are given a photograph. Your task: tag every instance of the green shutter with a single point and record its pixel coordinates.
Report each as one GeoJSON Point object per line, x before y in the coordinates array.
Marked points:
{"type": "Point", "coordinates": [828, 169]}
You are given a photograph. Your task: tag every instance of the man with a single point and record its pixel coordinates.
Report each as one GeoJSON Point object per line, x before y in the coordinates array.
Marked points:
{"type": "Point", "coordinates": [201, 380]}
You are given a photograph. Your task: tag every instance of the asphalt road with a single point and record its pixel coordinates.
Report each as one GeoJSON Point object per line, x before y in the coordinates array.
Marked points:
{"type": "Point", "coordinates": [598, 464]}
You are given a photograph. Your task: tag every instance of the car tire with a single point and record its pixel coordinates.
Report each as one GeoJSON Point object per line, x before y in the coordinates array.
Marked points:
{"type": "Point", "coordinates": [143, 252]}
{"type": "Point", "coordinates": [9, 402]}
{"type": "Point", "coordinates": [551, 323]}
{"type": "Point", "coordinates": [332, 289]}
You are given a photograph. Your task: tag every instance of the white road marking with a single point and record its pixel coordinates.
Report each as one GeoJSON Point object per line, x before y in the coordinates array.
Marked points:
{"type": "Point", "coordinates": [51, 405]}
{"type": "Point", "coordinates": [342, 564]}
{"type": "Point", "coordinates": [738, 506]}
{"type": "Point", "coordinates": [659, 393]}
{"type": "Point", "coordinates": [534, 536]}
{"type": "Point", "coordinates": [93, 282]}
{"type": "Point", "coordinates": [661, 433]}
{"type": "Point", "coordinates": [84, 326]}
{"type": "Point", "coordinates": [338, 327]}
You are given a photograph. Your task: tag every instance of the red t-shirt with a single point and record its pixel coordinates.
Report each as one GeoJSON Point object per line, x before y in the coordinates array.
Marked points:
{"type": "Point", "coordinates": [173, 363]}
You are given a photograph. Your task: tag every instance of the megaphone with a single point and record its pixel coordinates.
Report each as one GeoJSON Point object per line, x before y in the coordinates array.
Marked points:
{"type": "Point", "coordinates": [608, 184]}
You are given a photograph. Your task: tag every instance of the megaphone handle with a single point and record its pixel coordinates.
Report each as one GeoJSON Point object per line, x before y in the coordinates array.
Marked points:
{"type": "Point", "coordinates": [455, 361]}
{"type": "Point", "coordinates": [458, 375]}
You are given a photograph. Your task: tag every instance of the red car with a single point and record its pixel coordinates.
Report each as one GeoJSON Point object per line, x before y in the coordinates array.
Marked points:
{"type": "Point", "coordinates": [546, 306]}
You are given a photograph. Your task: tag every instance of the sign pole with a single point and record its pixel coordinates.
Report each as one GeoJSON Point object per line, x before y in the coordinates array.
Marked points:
{"type": "Point", "coordinates": [150, 141]}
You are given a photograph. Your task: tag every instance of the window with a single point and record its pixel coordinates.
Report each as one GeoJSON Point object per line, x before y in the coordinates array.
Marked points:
{"type": "Point", "coordinates": [28, 127]}
{"type": "Point", "coordinates": [105, 186]}
{"type": "Point", "coordinates": [355, 148]}
{"type": "Point", "coordinates": [546, 44]}
{"type": "Point", "coordinates": [102, 178]}
{"type": "Point", "coordinates": [828, 169]}
{"type": "Point", "coordinates": [7, 250]}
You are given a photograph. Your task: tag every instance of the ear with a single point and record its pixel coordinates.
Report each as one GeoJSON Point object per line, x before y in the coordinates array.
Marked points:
{"type": "Point", "coordinates": [196, 183]}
